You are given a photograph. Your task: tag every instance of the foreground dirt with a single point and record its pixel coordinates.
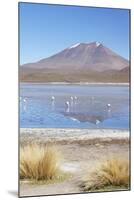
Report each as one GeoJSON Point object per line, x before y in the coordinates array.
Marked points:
{"type": "Point", "coordinates": [78, 159]}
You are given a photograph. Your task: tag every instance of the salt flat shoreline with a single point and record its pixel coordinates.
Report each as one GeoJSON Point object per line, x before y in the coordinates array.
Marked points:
{"type": "Point", "coordinates": [76, 83]}
{"type": "Point", "coordinates": [50, 135]}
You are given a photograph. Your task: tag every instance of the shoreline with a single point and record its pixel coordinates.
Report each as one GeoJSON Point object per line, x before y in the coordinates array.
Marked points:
{"type": "Point", "coordinates": [76, 83]}
{"type": "Point", "coordinates": [80, 136]}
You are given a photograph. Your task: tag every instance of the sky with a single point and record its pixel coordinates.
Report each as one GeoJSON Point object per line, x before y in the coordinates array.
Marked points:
{"type": "Point", "coordinates": [45, 30]}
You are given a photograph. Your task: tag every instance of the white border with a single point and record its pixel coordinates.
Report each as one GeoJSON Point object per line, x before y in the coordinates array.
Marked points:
{"type": "Point", "coordinates": [9, 95]}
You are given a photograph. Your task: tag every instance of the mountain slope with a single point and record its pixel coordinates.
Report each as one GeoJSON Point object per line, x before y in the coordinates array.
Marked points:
{"type": "Point", "coordinates": [80, 62]}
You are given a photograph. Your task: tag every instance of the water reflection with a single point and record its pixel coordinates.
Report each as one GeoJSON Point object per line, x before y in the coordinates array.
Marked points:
{"type": "Point", "coordinates": [95, 119]}
{"type": "Point", "coordinates": [53, 106]}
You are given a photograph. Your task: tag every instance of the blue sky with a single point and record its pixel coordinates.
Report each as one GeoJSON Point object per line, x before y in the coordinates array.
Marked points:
{"type": "Point", "coordinates": [48, 29]}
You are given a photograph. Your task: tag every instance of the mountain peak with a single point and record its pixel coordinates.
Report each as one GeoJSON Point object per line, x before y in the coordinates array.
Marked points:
{"type": "Point", "coordinates": [75, 45]}
{"type": "Point", "coordinates": [97, 43]}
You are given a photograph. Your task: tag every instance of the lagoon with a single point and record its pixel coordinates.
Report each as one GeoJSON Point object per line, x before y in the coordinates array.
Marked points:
{"type": "Point", "coordinates": [87, 106]}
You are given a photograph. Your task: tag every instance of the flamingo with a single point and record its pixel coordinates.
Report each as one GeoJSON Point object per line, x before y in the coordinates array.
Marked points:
{"type": "Point", "coordinates": [52, 98]}
{"type": "Point", "coordinates": [108, 105]}
{"type": "Point", "coordinates": [24, 100]}
{"type": "Point", "coordinates": [71, 98]}
{"type": "Point", "coordinates": [67, 106]}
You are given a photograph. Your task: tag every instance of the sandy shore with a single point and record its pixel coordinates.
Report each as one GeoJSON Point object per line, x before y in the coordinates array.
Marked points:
{"type": "Point", "coordinates": [82, 150]}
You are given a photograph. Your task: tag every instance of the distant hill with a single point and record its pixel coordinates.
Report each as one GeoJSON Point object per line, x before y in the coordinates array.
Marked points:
{"type": "Point", "coordinates": [81, 62]}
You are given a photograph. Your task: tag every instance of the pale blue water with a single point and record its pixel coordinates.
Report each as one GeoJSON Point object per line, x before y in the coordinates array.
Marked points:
{"type": "Point", "coordinates": [89, 110]}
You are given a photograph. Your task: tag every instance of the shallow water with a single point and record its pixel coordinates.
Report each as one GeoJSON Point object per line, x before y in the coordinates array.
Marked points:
{"type": "Point", "coordinates": [88, 110]}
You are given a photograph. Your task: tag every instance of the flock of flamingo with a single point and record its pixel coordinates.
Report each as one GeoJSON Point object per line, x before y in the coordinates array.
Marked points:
{"type": "Point", "coordinates": [67, 103]}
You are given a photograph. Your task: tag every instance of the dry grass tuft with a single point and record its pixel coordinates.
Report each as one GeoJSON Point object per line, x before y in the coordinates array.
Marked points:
{"type": "Point", "coordinates": [111, 173]}
{"type": "Point", "coordinates": [39, 162]}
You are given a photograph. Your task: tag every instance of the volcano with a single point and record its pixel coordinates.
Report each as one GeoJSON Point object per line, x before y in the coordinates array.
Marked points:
{"type": "Point", "coordinates": [81, 62]}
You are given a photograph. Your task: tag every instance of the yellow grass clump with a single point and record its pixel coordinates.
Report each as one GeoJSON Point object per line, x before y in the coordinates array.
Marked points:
{"type": "Point", "coordinates": [111, 173]}
{"type": "Point", "coordinates": [39, 162]}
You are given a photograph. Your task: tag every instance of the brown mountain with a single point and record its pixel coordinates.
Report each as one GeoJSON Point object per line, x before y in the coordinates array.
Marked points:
{"type": "Point", "coordinates": [91, 62]}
